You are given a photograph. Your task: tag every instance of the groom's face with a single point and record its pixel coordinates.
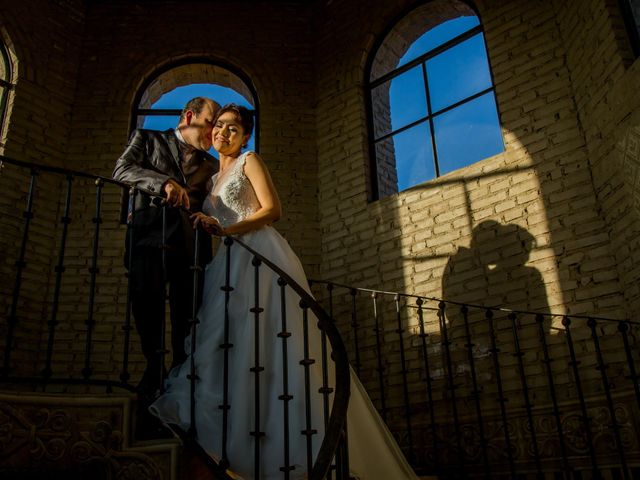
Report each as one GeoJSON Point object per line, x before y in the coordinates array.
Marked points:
{"type": "Point", "coordinates": [198, 129]}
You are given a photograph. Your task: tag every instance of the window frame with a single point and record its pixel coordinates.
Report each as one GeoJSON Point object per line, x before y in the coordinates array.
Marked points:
{"type": "Point", "coordinates": [421, 61]}
{"type": "Point", "coordinates": [7, 85]}
{"type": "Point", "coordinates": [137, 112]}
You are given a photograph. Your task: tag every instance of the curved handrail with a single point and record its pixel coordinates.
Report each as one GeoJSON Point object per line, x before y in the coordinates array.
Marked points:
{"type": "Point", "coordinates": [64, 171]}
{"type": "Point", "coordinates": [374, 291]}
{"type": "Point", "coordinates": [76, 173]}
{"type": "Point", "coordinates": [337, 419]}
{"type": "Point", "coordinates": [36, 167]}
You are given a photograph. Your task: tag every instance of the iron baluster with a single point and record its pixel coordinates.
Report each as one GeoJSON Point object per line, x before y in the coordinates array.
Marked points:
{"type": "Point", "coordinates": [340, 475]}
{"type": "Point", "coordinates": [428, 379]}
{"type": "Point", "coordinates": [623, 328]}
{"type": "Point", "coordinates": [340, 462]}
{"type": "Point", "coordinates": [451, 385]}
{"type": "Point", "coordinates": [226, 346]}
{"type": "Point", "coordinates": [325, 390]}
{"type": "Point", "coordinates": [405, 385]}
{"type": "Point", "coordinates": [464, 310]}
{"type": "Point", "coordinates": [162, 350]}
{"type": "Point", "coordinates": [354, 326]}
{"type": "Point", "coordinates": [501, 399]}
{"type": "Point", "coordinates": [93, 271]}
{"type": "Point", "coordinates": [59, 269]}
{"type": "Point", "coordinates": [519, 354]}
{"type": "Point", "coordinates": [306, 362]}
{"type": "Point", "coordinates": [552, 391]}
{"type": "Point", "coordinates": [12, 320]}
{"type": "Point", "coordinates": [592, 324]}
{"type": "Point", "coordinates": [193, 374]}
{"type": "Point", "coordinates": [332, 435]}
{"type": "Point", "coordinates": [380, 368]}
{"type": "Point", "coordinates": [342, 456]}
{"type": "Point", "coordinates": [126, 328]}
{"type": "Point", "coordinates": [257, 434]}
{"type": "Point", "coordinates": [284, 334]}
{"type": "Point", "coordinates": [586, 420]}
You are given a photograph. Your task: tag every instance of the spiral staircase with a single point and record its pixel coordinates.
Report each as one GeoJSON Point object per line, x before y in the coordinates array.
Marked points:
{"type": "Point", "coordinates": [468, 391]}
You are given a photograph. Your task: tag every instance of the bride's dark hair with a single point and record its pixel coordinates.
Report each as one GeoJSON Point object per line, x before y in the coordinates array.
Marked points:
{"type": "Point", "coordinates": [243, 115]}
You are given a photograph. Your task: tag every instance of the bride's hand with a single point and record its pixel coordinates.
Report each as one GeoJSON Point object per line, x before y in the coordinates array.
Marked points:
{"type": "Point", "coordinates": [209, 224]}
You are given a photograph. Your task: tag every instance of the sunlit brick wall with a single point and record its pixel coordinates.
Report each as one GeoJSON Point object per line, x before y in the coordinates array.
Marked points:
{"type": "Point", "coordinates": [542, 186]}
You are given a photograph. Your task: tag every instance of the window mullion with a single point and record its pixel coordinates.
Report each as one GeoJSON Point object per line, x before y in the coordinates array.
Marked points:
{"type": "Point", "coordinates": [426, 56]}
{"type": "Point", "coordinates": [464, 100]}
{"type": "Point", "coordinates": [401, 129]}
{"type": "Point", "coordinates": [431, 127]}
{"type": "Point", "coordinates": [429, 116]}
{"type": "Point", "coordinates": [157, 111]}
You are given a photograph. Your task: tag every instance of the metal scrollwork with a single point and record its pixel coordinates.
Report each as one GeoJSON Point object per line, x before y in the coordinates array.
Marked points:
{"type": "Point", "coordinates": [40, 437]}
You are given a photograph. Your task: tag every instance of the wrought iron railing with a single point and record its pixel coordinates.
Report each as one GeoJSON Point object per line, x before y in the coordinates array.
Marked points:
{"type": "Point", "coordinates": [61, 361]}
{"type": "Point", "coordinates": [17, 371]}
{"type": "Point", "coordinates": [476, 392]}
{"type": "Point", "coordinates": [468, 391]}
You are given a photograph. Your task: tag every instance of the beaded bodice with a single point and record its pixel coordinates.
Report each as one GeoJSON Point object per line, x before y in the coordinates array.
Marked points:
{"type": "Point", "coordinates": [232, 197]}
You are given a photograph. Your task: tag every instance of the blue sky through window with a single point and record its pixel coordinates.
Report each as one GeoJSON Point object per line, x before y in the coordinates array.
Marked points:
{"type": "Point", "coordinates": [437, 36]}
{"type": "Point", "coordinates": [408, 98]}
{"type": "Point", "coordinates": [414, 156]}
{"type": "Point", "coordinates": [179, 96]}
{"type": "Point", "coordinates": [468, 133]}
{"type": "Point", "coordinates": [458, 73]}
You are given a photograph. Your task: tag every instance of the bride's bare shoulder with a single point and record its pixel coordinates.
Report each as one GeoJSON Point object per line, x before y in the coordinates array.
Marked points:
{"type": "Point", "coordinates": [252, 157]}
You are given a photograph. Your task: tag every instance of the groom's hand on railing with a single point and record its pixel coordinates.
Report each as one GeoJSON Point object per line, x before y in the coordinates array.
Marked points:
{"type": "Point", "coordinates": [209, 224]}
{"type": "Point", "coordinates": [177, 195]}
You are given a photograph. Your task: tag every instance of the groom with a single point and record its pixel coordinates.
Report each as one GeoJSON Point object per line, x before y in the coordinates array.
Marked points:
{"type": "Point", "coordinates": [175, 164]}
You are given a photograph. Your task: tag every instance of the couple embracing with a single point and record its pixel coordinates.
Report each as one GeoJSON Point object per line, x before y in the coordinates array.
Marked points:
{"type": "Point", "coordinates": [232, 197]}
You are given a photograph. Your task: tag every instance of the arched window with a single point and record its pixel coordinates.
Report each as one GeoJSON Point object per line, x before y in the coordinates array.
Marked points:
{"type": "Point", "coordinates": [162, 97]}
{"type": "Point", "coordinates": [6, 88]}
{"type": "Point", "coordinates": [431, 98]}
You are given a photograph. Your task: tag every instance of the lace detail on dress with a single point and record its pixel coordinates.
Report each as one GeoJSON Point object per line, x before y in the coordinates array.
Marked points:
{"type": "Point", "coordinates": [232, 197]}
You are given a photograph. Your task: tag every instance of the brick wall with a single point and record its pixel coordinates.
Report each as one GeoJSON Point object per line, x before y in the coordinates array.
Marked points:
{"type": "Point", "coordinates": [92, 82]}
{"type": "Point", "coordinates": [557, 212]}
{"type": "Point", "coordinates": [541, 188]}
{"type": "Point", "coordinates": [47, 49]}
{"type": "Point", "coordinates": [602, 74]}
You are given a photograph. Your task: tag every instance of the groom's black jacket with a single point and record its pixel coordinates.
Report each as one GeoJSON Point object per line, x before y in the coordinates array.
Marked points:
{"type": "Point", "coordinates": [149, 160]}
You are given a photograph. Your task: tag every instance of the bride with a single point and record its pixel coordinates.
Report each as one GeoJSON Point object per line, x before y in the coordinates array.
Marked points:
{"type": "Point", "coordinates": [243, 202]}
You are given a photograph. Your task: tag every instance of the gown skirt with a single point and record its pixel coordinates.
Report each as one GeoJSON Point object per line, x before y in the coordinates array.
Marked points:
{"type": "Point", "coordinates": [373, 452]}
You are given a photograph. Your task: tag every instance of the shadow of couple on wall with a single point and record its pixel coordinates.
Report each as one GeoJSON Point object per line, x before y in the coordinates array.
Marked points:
{"type": "Point", "coordinates": [492, 273]}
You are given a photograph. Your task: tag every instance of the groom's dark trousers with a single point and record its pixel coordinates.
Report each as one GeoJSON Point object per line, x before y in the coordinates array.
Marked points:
{"type": "Point", "coordinates": [149, 160]}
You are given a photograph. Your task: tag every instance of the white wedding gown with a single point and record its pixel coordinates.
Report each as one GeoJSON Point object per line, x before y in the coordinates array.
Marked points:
{"type": "Point", "coordinates": [373, 453]}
